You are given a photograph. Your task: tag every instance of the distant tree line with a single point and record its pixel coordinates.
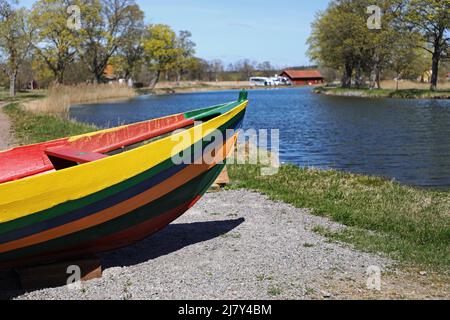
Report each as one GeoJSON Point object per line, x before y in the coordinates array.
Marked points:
{"type": "Point", "coordinates": [412, 38]}
{"type": "Point", "coordinates": [52, 45]}
{"type": "Point", "coordinates": [242, 70]}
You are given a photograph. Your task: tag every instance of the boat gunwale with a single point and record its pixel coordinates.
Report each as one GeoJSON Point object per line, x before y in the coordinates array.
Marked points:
{"type": "Point", "coordinates": [27, 183]}
{"type": "Point", "coordinates": [59, 210]}
{"type": "Point", "coordinates": [47, 170]}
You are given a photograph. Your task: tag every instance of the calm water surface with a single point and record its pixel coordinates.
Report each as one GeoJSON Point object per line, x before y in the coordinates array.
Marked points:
{"type": "Point", "coordinates": [408, 140]}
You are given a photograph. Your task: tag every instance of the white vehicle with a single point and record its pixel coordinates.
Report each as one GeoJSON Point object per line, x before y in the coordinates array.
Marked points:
{"type": "Point", "coordinates": [281, 81]}
{"type": "Point", "coordinates": [276, 81]}
{"type": "Point", "coordinates": [261, 82]}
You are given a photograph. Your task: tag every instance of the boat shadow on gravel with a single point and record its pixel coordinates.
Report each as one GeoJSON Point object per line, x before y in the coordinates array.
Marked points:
{"type": "Point", "coordinates": [173, 238]}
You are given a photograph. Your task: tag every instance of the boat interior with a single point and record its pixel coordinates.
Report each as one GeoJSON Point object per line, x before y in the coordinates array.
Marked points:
{"type": "Point", "coordinates": [27, 161]}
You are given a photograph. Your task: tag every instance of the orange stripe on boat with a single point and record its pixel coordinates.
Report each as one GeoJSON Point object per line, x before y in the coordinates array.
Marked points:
{"type": "Point", "coordinates": [125, 207]}
{"type": "Point", "coordinates": [118, 240]}
{"type": "Point", "coordinates": [139, 232]}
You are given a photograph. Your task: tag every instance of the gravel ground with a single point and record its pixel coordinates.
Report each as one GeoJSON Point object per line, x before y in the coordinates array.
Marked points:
{"type": "Point", "coordinates": [232, 245]}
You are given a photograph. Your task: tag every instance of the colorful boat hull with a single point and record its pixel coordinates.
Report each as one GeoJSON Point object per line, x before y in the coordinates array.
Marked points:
{"type": "Point", "coordinates": [113, 202]}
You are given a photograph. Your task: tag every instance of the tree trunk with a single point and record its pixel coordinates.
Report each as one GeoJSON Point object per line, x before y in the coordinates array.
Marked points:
{"type": "Point", "coordinates": [438, 49]}
{"type": "Point", "coordinates": [373, 76]}
{"type": "Point", "coordinates": [374, 71]}
{"type": "Point", "coordinates": [378, 80]}
{"type": "Point", "coordinates": [435, 70]}
{"type": "Point", "coordinates": [358, 77]}
{"type": "Point", "coordinates": [98, 78]}
{"type": "Point", "coordinates": [12, 84]}
{"type": "Point", "coordinates": [155, 80]}
{"type": "Point", "coordinates": [178, 78]}
{"type": "Point", "coordinates": [346, 81]}
{"type": "Point", "coordinates": [60, 78]}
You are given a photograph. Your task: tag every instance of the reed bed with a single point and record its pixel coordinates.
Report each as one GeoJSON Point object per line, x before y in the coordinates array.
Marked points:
{"type": "Point", "coordinates": [200, 84]}
{"type": "Point", "coordinates": [60, 98]}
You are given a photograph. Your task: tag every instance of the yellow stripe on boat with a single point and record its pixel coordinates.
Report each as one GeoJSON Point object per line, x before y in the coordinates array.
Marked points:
{"type": "Point", "coordinates": [34, 194]}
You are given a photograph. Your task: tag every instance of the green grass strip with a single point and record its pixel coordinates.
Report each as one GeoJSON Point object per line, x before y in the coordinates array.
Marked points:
{"type": "Point", "coordinates": [409, 224]}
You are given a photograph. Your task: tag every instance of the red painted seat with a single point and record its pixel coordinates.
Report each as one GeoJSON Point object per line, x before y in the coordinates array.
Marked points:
{"type": "Point", "coordinates": [74, 155]}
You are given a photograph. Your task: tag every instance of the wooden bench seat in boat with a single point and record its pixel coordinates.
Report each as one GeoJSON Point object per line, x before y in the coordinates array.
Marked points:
{"type": "Point", "coordinates": [31, 160]}
{"type": "Point", "coordinates": [65, 157]}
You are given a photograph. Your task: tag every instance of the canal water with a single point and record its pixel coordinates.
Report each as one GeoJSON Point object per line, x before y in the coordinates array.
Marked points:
{"type": "Point", "coordinates": [407, 140]}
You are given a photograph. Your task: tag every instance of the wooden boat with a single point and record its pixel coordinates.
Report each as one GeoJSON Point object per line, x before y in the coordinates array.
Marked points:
{"type": "Point", "coordinates": [105, 190]}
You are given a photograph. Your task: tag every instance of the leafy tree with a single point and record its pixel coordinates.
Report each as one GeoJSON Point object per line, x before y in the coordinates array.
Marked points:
{"type": "Point", "coordinates": [341, 40]}
{"type": "Point", "coordinates": [54, 42]}
{"type": "Point", "coordinates": [334, 41]}
{"type": "Point", "coordinates": [41, 72]}
{"type": "Point", "coordinates": [161, 50]}
{"type": "Point", "coordinates": [198, 70]}
{"type": "Point", "coordinates": [432, 19]}
{"type": "Point", "coordinates": [105, 27]}
{"type": "Point", "coordinates": [384, 44]}
{"type": "Point", "coordinates": [14, 44]}
{"type": "Point", "coordinates": [421, 64]}
{"type": "Point", "coordinates": [403, 62]}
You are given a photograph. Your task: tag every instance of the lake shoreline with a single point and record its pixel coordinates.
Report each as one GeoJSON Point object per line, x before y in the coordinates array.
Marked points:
{"type": "Point", "coordinates": [181, 90]}
{"type": "Point", "coordinates": [383, 93]}
{"type": "Point", "coordinates": [167, 88]}
{"type": "Point", "coordinates": [319, 190]}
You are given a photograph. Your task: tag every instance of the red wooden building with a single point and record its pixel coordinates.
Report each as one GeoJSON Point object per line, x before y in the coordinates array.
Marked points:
{"type": "Point", "coordinates": [303, 77]}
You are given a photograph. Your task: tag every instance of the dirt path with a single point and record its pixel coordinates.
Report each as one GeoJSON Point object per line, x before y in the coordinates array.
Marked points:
{"type": "Point", "coordinates": [251, 248]}
{"type": "Point", "coordinates": [5, 129]}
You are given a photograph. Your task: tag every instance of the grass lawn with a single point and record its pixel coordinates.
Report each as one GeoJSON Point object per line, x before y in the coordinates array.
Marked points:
{"type": "Point", "coordinates": [21, 95]}
{"type": "Point", "coordinates": [32, 128]}
{"type": "Point", "coordinates": [411, 225]}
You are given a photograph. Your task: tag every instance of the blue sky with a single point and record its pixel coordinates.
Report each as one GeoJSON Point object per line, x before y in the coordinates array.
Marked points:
{"type": "Point", "coordinates": [234, 29]}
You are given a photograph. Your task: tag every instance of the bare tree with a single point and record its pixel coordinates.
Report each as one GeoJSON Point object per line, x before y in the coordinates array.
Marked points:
{"type": "Point", "coordinates": [186, 53]}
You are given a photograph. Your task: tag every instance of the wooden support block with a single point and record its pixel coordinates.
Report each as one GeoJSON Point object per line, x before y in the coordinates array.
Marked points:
{"type": "Point", "coordinates": [224, 178]}
{"type": "Point", "coordinates": [56, 275]}
{"type": "Point", "coordinates": [214, 188]}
